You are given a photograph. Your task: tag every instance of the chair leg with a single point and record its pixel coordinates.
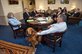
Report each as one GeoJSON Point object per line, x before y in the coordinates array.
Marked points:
{"type": "Point", "coordinates": [60, 43]}
{"type": "Point", "coordinates": [24, 33]}
{"type": "Point", "coordinates": [54, 48]}
{"type": "Point", "coordinates": [15, 35]}
{"type": "Point", "coordinates": [78, 24]}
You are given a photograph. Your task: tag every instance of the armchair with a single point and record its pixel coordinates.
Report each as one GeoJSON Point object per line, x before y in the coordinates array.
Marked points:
{"type": "Point", "coordinates": [74, 20]}
{"type": "Point", "coordinates": [52, 40]}
{"type": "Point", "coordinates": [17, 32]}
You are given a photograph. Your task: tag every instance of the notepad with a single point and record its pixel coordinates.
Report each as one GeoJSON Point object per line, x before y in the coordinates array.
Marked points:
{"type": "Point", "coordinates": [41, 19]}
{"type": "Point", "coordinates": [30, 20]}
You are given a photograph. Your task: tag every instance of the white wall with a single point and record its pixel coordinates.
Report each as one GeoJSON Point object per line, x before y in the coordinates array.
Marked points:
{"type": "Point", "coordinates": [1, 10]}
{"type": "Point", "coordinates": [79, 4]}
{"type": "Point", "coordinates": [44, 4]}
{"type": "Point", "coordinates": [11, 8]}
{"type": "Point", "coordinates": [41, 4]}
{"type": "Point", "coordinates": [26, 3]}
{"type": "Point", "coordinates": [2, 19]}
{"type": "Point", "coordinates": [16, 9]}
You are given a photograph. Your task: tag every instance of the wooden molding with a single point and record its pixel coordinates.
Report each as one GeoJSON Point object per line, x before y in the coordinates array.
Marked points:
{"type": "Point", "coordinates": [11, 48]}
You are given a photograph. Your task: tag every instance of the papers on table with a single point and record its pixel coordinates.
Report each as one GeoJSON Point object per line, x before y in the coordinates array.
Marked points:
{"type": "Point", "coordinates": [41, 19]}
{"type": "Point", "coordinates": [43, 22]}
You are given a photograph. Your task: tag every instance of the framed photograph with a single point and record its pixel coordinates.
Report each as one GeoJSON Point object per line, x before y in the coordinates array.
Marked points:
{"type": "Point", "coordinates": [13, 1]}
{"type": "Point", "coordinates": [51, 1]}
{"type": "Point", "coordinates": [64, 1]}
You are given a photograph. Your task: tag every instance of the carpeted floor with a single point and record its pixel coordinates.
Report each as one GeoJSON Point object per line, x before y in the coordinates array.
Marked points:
{"type": "Point", "coordinates": [72, 40]}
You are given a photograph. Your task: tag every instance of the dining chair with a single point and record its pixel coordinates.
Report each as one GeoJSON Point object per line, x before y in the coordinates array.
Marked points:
{"type": "Point", "coordinates": [74, 20]}
{"type": "Point", "coordinates": [17, 32]}
{"type": "Point", "coordinates": [51, 39]}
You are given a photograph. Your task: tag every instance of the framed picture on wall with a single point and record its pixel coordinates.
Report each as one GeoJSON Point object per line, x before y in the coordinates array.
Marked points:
{"type": "Point", "coordinates": [64, 1]}
{"type": "Point", "coordinates": [51, 1]}
{"type": "Point", "coordinates": [13, 1]}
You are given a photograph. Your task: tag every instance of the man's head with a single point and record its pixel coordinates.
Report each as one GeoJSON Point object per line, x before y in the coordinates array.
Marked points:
{"type": "Point", "coordinates": [59, 9]}
{"type": "Point", "coordinates": [10, 15]}
{"type": "Point", "coordinates": [48, 8]}
{"type": "Point", "coordinates": [61, 18]}
{"type": "Point", "coordinates": [77, 10]}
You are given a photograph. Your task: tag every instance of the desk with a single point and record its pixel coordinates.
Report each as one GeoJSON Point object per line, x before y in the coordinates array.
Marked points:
{"type": "Point", "coordinates": [40, 22]}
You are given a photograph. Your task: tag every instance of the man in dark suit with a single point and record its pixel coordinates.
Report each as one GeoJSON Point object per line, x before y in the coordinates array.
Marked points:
{"type": "Point", "coordinates": [76, 13]}
{"type": "Point", "coordinates": [34, 13]}
{"type": "Point", "coordinates": [26, 14]}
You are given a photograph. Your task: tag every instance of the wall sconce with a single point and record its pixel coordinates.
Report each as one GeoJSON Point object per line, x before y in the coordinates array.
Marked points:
{"type": "Point", "coordinates": [73, 6]}
{"type": "Point", "coordinates": [41, 7]}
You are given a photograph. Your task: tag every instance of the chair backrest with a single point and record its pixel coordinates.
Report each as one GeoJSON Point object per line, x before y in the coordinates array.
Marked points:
{"type": "Point", "coordinates": [54, 36]}
{"type": "Point", "coordinates": [75, 20]}
{"type": "Point", "coordinates": [59, 33]}
{"type": "Point", "coordinates": [53, 39]}
{"type": "Point", "coordinates": [10, 48]}
{"type": "Point", "coordinates": [17, 32]}
{"type": "Point", "coordinates": [13, 26]}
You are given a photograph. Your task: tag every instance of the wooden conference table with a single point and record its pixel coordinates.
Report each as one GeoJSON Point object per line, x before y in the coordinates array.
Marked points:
{"type": "Point", "coordinates": [40, 22]}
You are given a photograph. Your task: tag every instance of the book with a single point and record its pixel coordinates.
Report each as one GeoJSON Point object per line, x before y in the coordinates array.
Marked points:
{"type": "Point", "coordinates": [30, 20]}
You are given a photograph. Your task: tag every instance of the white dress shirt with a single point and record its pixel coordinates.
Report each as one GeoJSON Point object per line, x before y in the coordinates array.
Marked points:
{"type": "Point", "coordinates": [58, 27]}
{"type": "Point", "coordinates": [14, 22]}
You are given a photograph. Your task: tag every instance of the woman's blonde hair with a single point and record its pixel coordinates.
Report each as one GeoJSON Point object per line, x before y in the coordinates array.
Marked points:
{"type": "Point", "coordinates": [10, 14]}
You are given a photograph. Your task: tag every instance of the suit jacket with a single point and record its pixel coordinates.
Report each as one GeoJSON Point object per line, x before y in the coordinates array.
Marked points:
{"type": "Point", "coordinates": [76, 14]}
{"type": "Point", "coordinates": [26, 16]}
{"type": "Point", "coordinates": [33, 13]}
